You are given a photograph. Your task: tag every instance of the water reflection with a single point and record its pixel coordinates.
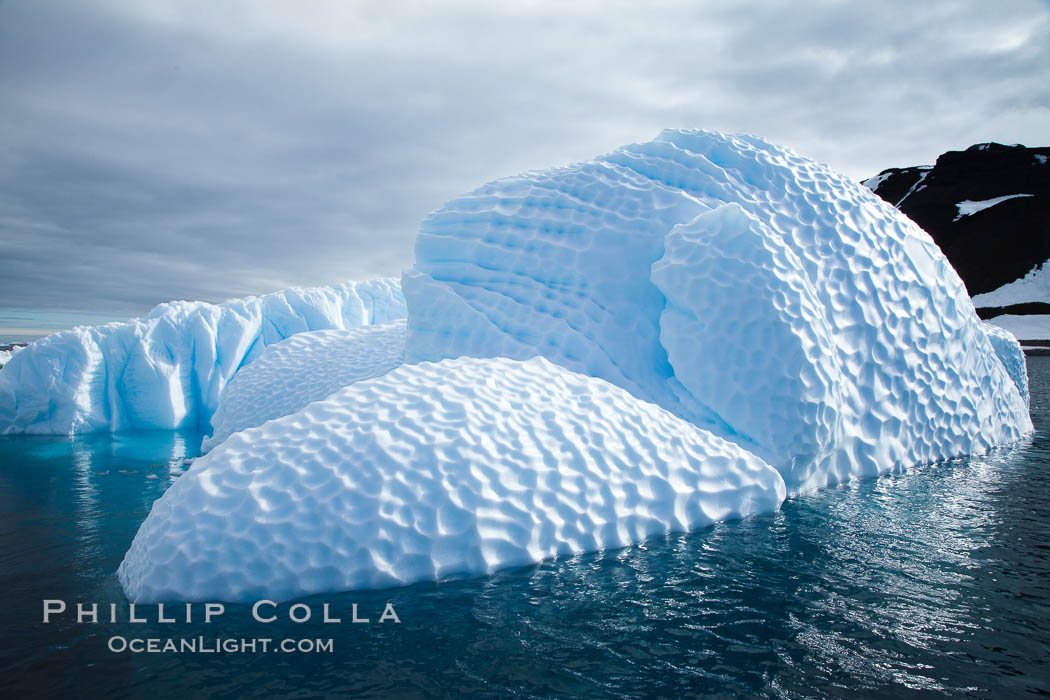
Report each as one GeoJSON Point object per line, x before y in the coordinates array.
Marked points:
{"type": "Point", "coordinates": [75, 494]}
{"type": "Point", "coordinates": [935, 580]}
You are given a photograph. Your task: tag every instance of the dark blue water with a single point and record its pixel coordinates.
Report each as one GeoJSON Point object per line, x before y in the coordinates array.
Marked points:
{"type": "Point", "coordinates": [931, 582]}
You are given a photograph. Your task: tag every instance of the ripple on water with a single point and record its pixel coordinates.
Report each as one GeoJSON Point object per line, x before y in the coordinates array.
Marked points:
{"type": "Point", "coordinates": [934, 581]}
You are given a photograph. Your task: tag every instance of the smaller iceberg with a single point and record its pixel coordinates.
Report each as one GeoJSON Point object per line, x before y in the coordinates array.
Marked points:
{"type": "Point", "coordinates": [167, 370]}
{"type": "Point", "coordinates": [302, 369]}
{"type": "Point", "coordinates": [1010, 353]}
{"type": "Point", "coordinates": [437, 469]}
{"type": "Point", "coordinates": [6, 355]}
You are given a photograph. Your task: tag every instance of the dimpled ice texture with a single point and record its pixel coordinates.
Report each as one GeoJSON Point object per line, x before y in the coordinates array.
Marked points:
{"type": "Point", "coordinates": [434, 470]}
{"type": "Point", "coordinates": [302, 369]}
{"type": "Point", "coordinates": [748, 290]}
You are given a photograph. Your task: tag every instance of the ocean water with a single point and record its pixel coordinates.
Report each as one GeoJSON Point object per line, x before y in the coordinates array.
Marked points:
{"type": "Point", "coordinates": [928, 583]}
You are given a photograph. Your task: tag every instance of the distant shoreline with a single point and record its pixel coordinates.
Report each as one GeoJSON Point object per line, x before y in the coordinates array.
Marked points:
{"type": "Point", "coordinates": [29, 331]}
{"type": "Point", "coordinates": [21, 336]}
{"type": "Point", "coordinates": [1036, 348]}
{"type": "Point", "coordinates": [8, 340]}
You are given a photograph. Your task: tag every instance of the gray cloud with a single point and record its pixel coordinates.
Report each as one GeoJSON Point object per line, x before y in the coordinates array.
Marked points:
{"type": "Point", "coordinates": [176, 149]}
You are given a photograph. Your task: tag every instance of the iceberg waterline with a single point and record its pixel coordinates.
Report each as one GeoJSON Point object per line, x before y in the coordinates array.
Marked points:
{"type": "Point", "coordinates": [707, 321]}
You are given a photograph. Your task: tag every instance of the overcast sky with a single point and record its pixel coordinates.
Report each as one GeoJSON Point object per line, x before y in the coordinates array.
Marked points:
{"type": "Point", "coordinates": [159, 149]}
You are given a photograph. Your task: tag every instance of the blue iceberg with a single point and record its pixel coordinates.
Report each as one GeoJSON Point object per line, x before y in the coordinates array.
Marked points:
{"type": "Point", "coordinates": [679, 332]}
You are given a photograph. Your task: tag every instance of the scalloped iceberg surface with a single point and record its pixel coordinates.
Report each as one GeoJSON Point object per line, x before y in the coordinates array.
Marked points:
{"type": "Point", "coordinates": [302, 369]}
{"type": "Point", "coordinates": [679, 332]}
{"type": "Point", "coordinates": [751, 291]}
{"type": "Point", "coordinates": [434, 470]}
{"type": "Point", "coordinates": [167, 370]}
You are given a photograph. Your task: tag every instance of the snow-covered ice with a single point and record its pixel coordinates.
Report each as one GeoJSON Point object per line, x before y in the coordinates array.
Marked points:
{"type": "Point", "coordinates": [969, 208]}
{"type": "Point", "coordinates": [746, 289]}
{"type": "Point", "coordinates": [168, 369]}
{"type": "Point", "coordinates": [432, 470]}
{"type": "Point", "coordinates": [1025, 327]}
{"type": "Point", "coordinates": [304, 368]}
{"type": "Point", "coordinates": [1034, 286]}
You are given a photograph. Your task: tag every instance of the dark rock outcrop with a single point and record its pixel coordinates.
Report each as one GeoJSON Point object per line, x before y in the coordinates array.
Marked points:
{"type": "Point", "coordinates": [1026, 309]}
{"type": "Point", "coordinates": [993, 246]}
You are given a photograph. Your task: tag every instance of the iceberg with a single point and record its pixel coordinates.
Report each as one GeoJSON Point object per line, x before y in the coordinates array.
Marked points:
{"type": "Point", "coordinates": [1010, 353]}
{"type": "Point", "coordinates": [435, 470]}
{"type": "Point", "coordinates": [302, 369]}
{"type": "Point", "coordinates": [748, 290]}
{"type": "Point", "coordinates": [167, 370]}
{"type": "Point", "coordinates": [679, 332]}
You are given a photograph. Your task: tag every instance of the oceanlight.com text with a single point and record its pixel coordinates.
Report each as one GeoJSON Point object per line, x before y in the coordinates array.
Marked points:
{"type": "Point", "coordinates": [218, 645]}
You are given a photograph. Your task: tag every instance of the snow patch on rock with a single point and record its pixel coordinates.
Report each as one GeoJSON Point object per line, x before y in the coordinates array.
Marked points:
{"type": "Point", "coordinates": [969, 208]}
{"type": "Point", "coordinates": [1034, 286]}
{"type": "Point", "coordinates": [872, 183]}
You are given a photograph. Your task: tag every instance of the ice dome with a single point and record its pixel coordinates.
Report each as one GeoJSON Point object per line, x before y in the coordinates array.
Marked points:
{"type": "Point", "coordinates": [751, 291]}
{"type": "Point", "coordinates": [460, 467]}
